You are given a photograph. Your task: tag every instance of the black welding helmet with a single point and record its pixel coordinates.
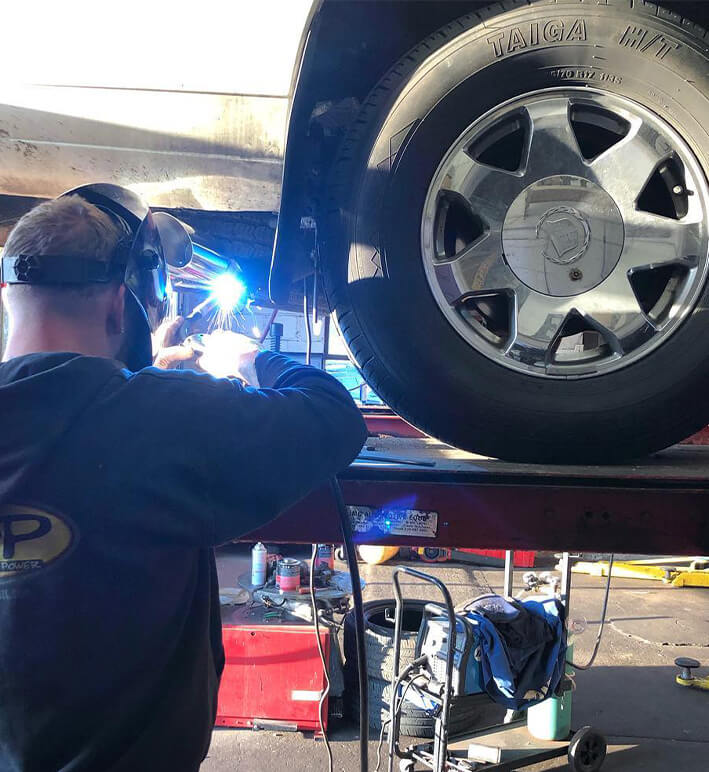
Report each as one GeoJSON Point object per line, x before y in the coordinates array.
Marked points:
{"type": "Point", "coordinates": [150, 242]}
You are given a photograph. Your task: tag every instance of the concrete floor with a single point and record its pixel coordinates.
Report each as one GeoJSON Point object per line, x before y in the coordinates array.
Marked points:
{"type": "Point", "coordinates": [629, 694]}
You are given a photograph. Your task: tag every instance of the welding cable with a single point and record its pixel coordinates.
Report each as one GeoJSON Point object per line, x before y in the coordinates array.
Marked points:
{"type": "Point", "coordinates": [268, 326]}
{"type": "Point", "coordinates": [387, 721]}
{"type": "Point", "coordinates": [603, 622]}
{"type": "Point", "coordinates": [326, 690]}
{"type": "Point", "coordinates": [308, 329]}
{"type": "Point", "coordinates": [351, 557]}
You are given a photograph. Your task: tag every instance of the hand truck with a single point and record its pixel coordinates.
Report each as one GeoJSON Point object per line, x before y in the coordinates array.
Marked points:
{"type": "Point", "coordinates": [586, 749]}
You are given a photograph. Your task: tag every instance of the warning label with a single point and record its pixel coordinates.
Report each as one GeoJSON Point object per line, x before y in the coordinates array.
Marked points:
{"type": "Point", "coordinates": [397, 522]}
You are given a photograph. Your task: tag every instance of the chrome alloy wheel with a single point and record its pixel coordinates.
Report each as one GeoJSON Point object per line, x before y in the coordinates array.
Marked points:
{"type": "Point", "coordinates": [565, 233]}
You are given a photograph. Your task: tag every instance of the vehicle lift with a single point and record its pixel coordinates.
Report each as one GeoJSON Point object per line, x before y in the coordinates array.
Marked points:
{"type": "Point", "coordinates": [416, 491]}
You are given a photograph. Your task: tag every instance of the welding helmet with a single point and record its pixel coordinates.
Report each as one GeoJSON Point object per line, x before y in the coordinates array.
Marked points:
{"type": "Point", "coordinates": [149, 243]}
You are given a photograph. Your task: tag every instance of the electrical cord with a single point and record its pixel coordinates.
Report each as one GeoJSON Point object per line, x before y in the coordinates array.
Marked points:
{"type": "Point", "coordinates": [268, 326]}
{"type": "Point", "coordinates": [351, 557]}
{"type": "Point", "coordinates": [603, 622]}
{"type": "Point", "coordinates": [326, 690]}
{"type": "Point", "coordinates": [387, 721]}
{"type": "Point", "coordinates": [308, 329]}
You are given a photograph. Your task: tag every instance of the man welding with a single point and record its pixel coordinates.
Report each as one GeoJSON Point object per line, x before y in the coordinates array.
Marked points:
{"type": "Point", "coordinates": [117, 480]}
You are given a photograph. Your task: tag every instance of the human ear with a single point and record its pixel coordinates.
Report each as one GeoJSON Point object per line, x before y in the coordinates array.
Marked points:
{"type": "Point", "coordinates": [116, 311]}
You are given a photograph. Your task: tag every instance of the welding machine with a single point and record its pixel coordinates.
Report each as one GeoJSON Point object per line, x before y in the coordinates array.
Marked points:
{"type": "Point", "coordinates": [432, 643]}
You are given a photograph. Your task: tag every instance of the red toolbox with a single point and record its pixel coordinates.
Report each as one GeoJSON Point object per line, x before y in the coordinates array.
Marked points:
{"type": "Point", "coordinates": [273, 675]}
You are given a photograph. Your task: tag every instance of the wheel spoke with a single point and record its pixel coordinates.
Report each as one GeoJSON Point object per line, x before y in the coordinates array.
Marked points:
{"type": "Point", "coordinates": [553, 148]}
{"type": "Point", "coordinates": [652, 241]}
{"type": "Point", "coordinates": [489, 190]}
{"type": "Point", "coordinates": [538, 321]}
{"type": "Point", "coordinates": [492, 198]}
{"type": "Point", "coordinates": [613, 309]}
{"type": "Point", "coordinates": [625, 168]}
{"type": "Point", "coordinates": [479, 267]}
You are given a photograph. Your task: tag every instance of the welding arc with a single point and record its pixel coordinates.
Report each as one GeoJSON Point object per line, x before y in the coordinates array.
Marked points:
{"type": "Point", "coordinates": [351, 557]}
{"type": "Point", "coordinates": [326, 690]}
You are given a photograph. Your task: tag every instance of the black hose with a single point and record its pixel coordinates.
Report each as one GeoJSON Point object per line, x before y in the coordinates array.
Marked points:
{"type": "Point", "coordinates": [604, 614]}
{"type": "Point", "coordinates": [351, 557]}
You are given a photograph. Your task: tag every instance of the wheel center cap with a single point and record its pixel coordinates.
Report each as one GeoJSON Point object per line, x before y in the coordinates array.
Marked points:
{"type": "Point", "coordinates": [566, 234]}
{"type": "Point", "coordinates": [563, 235]}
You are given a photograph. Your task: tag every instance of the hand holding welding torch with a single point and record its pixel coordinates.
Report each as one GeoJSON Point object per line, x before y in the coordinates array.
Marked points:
{"type": "Point", "coordinates": [230, 355]}
{"type": "Point", "coordinates": [169, 348]}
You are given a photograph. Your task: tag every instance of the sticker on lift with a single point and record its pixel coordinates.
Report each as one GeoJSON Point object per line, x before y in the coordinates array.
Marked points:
{"type": "Point", "coordinates": [397, 522]}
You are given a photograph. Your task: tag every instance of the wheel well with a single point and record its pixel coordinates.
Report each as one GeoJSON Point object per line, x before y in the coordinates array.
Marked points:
{"type": "Point", "coordinates": [345, 57]}
{"type": "Point", "coordinates": [343, 41]}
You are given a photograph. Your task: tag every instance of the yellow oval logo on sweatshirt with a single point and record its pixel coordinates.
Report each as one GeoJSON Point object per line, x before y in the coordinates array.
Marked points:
{"type": "Point", "coordinates": [31, 539]}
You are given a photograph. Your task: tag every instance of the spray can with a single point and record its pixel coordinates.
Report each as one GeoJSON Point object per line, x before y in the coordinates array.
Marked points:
{"type": "Point", "coordinates": [288, 575]}
{"type": "Point", "coordinates": [259, 561]}
{"type": "Point", "coordinates": [325, 557]}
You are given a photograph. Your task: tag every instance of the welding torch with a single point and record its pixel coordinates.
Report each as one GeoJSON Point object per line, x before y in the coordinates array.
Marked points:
{"type": "Point", "coordinates": [198, 341]}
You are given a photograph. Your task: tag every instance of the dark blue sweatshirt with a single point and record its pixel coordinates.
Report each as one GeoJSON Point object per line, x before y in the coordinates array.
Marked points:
{"type": "Point", "coordinates": [114, 489]}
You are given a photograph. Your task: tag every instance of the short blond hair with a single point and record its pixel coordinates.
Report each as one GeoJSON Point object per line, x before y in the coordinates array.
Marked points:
{"type": "Point", "coordinates": [67, 226]}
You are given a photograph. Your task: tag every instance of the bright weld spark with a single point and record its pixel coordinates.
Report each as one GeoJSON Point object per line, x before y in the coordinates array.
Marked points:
{"type": "Point", "coordinates": [228, 293]}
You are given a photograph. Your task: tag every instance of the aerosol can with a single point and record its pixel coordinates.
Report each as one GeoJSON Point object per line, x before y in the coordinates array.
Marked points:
{"type": "Point", "coordinates": [259, 561]}
{"type": "Point", "coordinates": [325, 557]}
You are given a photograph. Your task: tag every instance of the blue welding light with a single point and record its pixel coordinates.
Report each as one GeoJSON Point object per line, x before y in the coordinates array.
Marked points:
{"type": "Point", "coordinates": [228, 291]}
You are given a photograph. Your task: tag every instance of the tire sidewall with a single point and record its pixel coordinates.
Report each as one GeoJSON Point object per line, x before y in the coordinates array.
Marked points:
{"type": "Point", "coordinates": [386, 281]}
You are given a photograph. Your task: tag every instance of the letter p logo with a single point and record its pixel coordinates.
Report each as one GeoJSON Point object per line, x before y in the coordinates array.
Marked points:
{"type": "Point", "coordinates": [13, 532]}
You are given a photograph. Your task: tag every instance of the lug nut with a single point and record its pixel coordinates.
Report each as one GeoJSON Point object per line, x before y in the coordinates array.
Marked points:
{"type": "Point", "coordinates": [678, 190]}
{"type": "Point", "coordinates": [575, 274]}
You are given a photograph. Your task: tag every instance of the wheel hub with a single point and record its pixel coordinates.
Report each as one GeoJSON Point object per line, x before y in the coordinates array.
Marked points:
{"type": "Point", "coordinates": [568, 248]}
{"type": "Point", "coordinates": [565, 233]}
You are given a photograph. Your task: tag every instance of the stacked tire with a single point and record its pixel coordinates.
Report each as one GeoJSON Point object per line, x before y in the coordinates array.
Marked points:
{"type": "Point", "coordinates": [379, 642]}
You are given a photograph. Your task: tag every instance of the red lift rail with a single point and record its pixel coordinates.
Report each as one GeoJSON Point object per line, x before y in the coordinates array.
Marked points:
{"type": "Point", "coordinates": [455, 499]}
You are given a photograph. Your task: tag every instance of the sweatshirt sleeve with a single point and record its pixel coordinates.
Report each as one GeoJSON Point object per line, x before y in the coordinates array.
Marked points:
{"type": "Point", "coordinates": [266, 448]}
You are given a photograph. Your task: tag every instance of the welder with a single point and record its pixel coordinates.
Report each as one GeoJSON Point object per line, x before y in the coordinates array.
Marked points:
{"type": "Point", "coordinates": [117, 480]}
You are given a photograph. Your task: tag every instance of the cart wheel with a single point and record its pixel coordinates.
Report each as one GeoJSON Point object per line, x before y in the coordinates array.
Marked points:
{"type": "Point", "coordinates": [406, 765]}
{"type": "Point", "coordinates": [587, 750]}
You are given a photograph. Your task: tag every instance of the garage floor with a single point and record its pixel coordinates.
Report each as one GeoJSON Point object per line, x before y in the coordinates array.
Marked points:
{"type": "Point", "coordinates": [629, 694]}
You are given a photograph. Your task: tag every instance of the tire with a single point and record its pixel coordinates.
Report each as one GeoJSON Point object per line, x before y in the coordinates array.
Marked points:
{"type": "Point", "coordinates": [379, 637]}
{"type": "Point", "coordinates": [465, 712]}
{"type": "Point", "coordinates": [587, 750]}
{"type": "Point", "coordinates": [630, 402]}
